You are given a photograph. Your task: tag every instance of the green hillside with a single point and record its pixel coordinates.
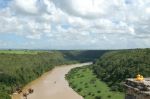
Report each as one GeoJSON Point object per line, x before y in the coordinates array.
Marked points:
{"type": "Point", "coordinates": [83, 55]}
{"type": "Point", "coordinates": [114, 67]}
{"type": "Point", "coordinates": [103, 79]}
{"type": "Point", "coordinates": [19, 67]}
{"type": "Point", "coordinates": [85, 82]}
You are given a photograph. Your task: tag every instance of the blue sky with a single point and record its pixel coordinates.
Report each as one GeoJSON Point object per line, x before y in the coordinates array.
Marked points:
{"type": "Point", "coordinates": [74, 24]}
{"type": "Point", "coordinates": [4, 3]}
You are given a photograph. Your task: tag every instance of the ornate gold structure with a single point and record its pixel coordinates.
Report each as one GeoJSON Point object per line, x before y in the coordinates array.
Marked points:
{"type": "Point", "coordinates": [139, 78]}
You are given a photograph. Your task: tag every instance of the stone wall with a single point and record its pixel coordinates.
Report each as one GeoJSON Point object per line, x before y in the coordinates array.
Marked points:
{"type": "Point", "coordinates": [137, 89]}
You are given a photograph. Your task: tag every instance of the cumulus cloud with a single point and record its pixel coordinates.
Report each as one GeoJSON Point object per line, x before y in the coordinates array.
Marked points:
{"type": "Point", "coordinates": [30, 7]}
{"type": "Point", "coordinates": [89, 8]}
{"type": "Point", "coordinates": [79, 24]}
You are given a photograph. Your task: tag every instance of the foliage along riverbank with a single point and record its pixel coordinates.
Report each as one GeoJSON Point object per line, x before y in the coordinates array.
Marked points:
{"type": "Point", "coordinates": [16, 70]}
{"type": "Point", "coordinates": [19, 67]}
{"type": "Point", "coordinates": [114, 67]}
{"type": "Point", "coordinates": [85, 82]}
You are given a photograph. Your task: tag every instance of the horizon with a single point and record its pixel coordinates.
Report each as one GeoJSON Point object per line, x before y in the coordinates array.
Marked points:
{"type": "Point", "coordinates": [71, 49]}
{"type": "Point", "coordinates": [74, 24]}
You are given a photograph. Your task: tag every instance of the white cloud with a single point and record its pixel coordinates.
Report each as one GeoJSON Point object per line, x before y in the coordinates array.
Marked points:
{"type": "Point", "coordinates": [89, 8]}
{"type": "Point", "coordinates": [80, 23]}
{"type": "Point", "coordinates": [29, 6]}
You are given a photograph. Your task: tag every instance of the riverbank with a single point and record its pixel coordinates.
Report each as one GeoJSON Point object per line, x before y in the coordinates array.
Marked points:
{"type": "Point", "coordinates": [83, 81]}
{"type": "Point", "coordinates": [17, 70]}
{"type": "Point", "coordinates": [52, 85]}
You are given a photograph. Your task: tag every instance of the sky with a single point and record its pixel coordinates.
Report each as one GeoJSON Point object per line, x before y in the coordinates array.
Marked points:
{"type": "Point", "coordinates": [74, 24]}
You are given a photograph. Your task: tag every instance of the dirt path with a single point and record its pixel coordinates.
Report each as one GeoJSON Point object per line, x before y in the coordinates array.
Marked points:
{"type": "Point", "coordinates": [52, 85]}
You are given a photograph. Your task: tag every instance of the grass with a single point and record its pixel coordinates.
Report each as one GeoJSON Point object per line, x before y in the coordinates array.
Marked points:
{"type": "Point", "coordinates": [83, 81]}
{"type": "Point", "coordinates": [19, 51]}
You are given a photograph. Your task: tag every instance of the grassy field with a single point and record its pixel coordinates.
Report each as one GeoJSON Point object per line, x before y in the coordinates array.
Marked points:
{"type": "Point", "coordinates": [83, 81]}
{"type": "Point", "coordinates": [19, 51]}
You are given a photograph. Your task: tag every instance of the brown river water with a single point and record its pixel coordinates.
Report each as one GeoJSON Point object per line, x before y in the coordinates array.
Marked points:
{"type": "Point", "coordinates": [52, 85]}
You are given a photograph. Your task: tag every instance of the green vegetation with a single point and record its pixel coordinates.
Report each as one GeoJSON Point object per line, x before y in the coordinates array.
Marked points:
{"type": "Point", "coordinates": [114, 67]}
{"type": "Point", "coordinates": [20, 51]}
{"type": "Point", "coordinates": [111, 68]}
{"type": "Point", "coordinates": [84, 81]}
{"type": "Point", "coordinates": [16, 70]}
{"type": "Point", "coordinates": [98, 81]}
{"type": "Point", "coordinates": [84, 55]}
{"type": "Point", "coordinates": [4, 95]}
{"type": "Point", "coordinates": [19, 67]}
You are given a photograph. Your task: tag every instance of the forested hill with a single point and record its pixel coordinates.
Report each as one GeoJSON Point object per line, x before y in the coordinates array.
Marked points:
{"type": "Point", "coordinates": [19, 67]}
{"type": "Point", "coordinates": [114, 67]}
{"type": "Point", "coordinates": [83, 55]}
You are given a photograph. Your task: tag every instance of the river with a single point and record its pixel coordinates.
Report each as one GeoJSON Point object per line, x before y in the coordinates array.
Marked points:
{"type": "Point", "coordinates": [52, 85]}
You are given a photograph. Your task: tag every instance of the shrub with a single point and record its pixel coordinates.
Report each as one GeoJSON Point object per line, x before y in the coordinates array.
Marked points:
{"type": "Point", "coordinates": [98, 97]}
{"type": "Point", "coordinates": [79, 90]}
{"type": "Point", "coordinates": [98, 91]}
{"type": "Point", "coordinates": [93, 94]}
{"type": "Point", "coordinates": [89, 93]}
{"type": "Point", "coordinates": [4, 96]}
{"type": "Point", "coordinates": [109, 96]}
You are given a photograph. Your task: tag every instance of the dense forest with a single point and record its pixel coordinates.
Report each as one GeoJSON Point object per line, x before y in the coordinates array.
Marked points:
{"type": "Point", "coordinates": [83, 55]}
{"type": "Point", "coordinates": [115, 66]}
{"type": "Point", "coordinates": [19, 67]}
{"type": "Point", "coordinates": [16, 70]}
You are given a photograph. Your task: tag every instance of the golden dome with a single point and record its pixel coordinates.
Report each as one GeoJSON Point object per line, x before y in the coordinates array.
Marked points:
{"type": "Point", "coordinates": [139, 77]}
